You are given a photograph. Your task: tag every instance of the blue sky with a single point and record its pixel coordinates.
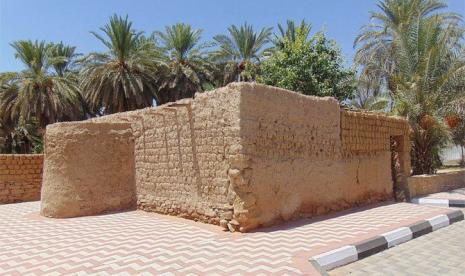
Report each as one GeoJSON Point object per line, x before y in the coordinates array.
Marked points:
{"type": "Point", "coordinates": [70, 21]}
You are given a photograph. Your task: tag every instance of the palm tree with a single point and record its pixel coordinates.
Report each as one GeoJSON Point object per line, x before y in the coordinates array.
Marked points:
{"type": "Point", "coordinates": [39, 91]}
{"type": "Point", "coordinates": [370, 93]}
{"type": "Point", "coordinates": [243, 48]}
{"type": "Point", "coordinates": [370, 102]}
{"type": "Point", "coordinates": [22, 138]}
{"type": "Point", "coordinates": [187, 67]}
{"type": "Point", "coordinates": [417, 51]}
{"type": "Point", "coordinates": [291, 32]}
{"type": "Point", "coordinates": [63, 58]}
{"type": "Point", "coordinates": [427, 61]}
{"type": "Point", "coordinates": [126, 76]}
{"type": "Point", "coordinates": [376, 40]}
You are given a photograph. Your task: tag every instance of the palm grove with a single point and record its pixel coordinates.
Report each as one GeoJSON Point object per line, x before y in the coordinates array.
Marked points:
{"type": "Point", "coordinates": [410, 61]}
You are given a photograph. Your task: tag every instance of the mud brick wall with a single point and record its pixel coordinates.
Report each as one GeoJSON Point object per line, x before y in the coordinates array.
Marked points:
{"type": "Point", "coordinates": [294, 160]}
{"type": "Point", "coordinates": [182, 152]}
{"type": "Point", "coordinates": [88, 169]}
{"type": "Point", "coordinates": [20, 177]}
{"type": "Point", "coordinates": [366, 133]}
{"type": "Point", "coordinates": [248, 155]}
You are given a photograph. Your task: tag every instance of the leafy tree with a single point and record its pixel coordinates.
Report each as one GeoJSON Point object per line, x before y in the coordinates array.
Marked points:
{"type": "Point", "coordinates": [242, 50]}
{"type": "Point", "coordinates": [416, 48]}
{"type": "Point", "coordinates": [188, 69]}
{"type": "Point", "coordinates": [309, 66]}
{"type": "Point", "coordinates": [125, 77]}
{"type": "Point", "coordinates": [40, 91]}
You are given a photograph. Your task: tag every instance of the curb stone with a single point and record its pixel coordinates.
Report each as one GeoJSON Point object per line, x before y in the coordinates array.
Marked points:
{"type": "Point", "coordinates": [351, 253]}
{"type": "Point", "coordinates": [439, 202]}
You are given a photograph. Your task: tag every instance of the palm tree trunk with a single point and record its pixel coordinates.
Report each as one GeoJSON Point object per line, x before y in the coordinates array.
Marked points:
{"type": "Point", "coordinates": [463, 158]}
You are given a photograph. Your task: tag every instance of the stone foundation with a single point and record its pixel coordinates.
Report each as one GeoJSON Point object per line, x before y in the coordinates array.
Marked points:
{"type": "Point", "coordinates": [20, 177]}
{"type": "Point", "coordinates": [243, 156]}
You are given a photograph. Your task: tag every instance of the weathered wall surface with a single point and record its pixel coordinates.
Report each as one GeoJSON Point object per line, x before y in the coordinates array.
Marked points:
{"type": "Point", "coordinates": [20, 177]}
{"type": "Point", "coordinates": [365, 133]}
{"type": "Point", "coordinates": [428, 184]}
{"type": "Point", "coordinates": [300, 160]}
{"type": "Point", "coordinates": [88, 169]}
{"type": "Point", "coordinates": [248, 155]}
{"type": "Point", "coordinates": [182, 154]}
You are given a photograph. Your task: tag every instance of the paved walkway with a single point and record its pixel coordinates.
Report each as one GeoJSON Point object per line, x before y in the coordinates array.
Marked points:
{"type": "Point", "coordinates": [140, 243]}
{"type": "Point", "coordinates": [439, 253]}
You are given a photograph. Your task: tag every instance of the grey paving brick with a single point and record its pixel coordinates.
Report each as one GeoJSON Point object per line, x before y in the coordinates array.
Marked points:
{"type": "Point", "coordinates": [438, 253]}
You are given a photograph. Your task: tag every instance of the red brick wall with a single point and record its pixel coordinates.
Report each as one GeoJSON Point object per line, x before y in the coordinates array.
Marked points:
{"type": "Point", "coordinates": [20, 177]}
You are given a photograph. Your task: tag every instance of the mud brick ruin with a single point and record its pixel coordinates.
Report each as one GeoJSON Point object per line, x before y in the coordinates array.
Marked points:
{"type": "Point", "coordinates": [243, 156]}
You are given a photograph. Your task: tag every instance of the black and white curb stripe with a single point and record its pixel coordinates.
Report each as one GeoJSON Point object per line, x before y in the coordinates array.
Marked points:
{"type": "Point", "coordinates": [352, 253]}
{"type": "Point", "coordinates": [439, 202]}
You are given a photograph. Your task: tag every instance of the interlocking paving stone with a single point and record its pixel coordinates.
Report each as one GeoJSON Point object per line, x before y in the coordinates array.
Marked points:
{"type": "Point", "coordinates": [140, 243]}
{"type": "Point", "coordinates": [438, 253]}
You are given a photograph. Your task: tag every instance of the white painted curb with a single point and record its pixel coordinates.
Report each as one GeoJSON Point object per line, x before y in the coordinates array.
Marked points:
{"type": "Point", "coordinates": [349, 253]}
{"type": "Point", "coordinates": [398, 236]}
{"type": "Point", "coordinates": [432, 201]}
{"type": "Point", "coordinates": [337, 257]}
{"type": "Point", "coordinates": [439, 222]}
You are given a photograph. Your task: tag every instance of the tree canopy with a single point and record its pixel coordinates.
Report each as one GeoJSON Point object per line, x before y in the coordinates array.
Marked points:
{"type": "Point", "coordinates": [414, 50]}
{"type": "Point", "coordinates": [312, 66]}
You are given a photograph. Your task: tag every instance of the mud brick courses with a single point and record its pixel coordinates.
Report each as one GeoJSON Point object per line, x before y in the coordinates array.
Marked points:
{"type": "Point", "coordinates": [365, 133]}
{"type": "Point", "coordinates": [182, 154]}
{"type": "Point", "coordinates": [20, 177]}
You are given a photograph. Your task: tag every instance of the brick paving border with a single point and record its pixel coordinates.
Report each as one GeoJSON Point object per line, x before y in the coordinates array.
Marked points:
{"type": "Point", "coordinates": [351, 253]}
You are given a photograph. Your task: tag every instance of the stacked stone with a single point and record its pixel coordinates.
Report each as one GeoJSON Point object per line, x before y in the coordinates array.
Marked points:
{"type": "Point", "coordinates": [20, 177]}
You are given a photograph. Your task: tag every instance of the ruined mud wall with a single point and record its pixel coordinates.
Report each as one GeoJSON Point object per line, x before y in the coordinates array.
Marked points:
{"type": "Point", "coordinates": [88, 169]}
{"type": "Point", "coordinates": [298, 160]}
{"type": "Point", "coordinates": [182, 152]}
{"type": "Point", "coordinates": [250, 155]}
{"type": "Point", "coordinates": [20, 177]}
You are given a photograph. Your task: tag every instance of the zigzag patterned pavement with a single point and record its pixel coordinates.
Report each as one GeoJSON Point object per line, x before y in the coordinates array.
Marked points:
{"type": "Point", "coordinates": [139, 243]}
